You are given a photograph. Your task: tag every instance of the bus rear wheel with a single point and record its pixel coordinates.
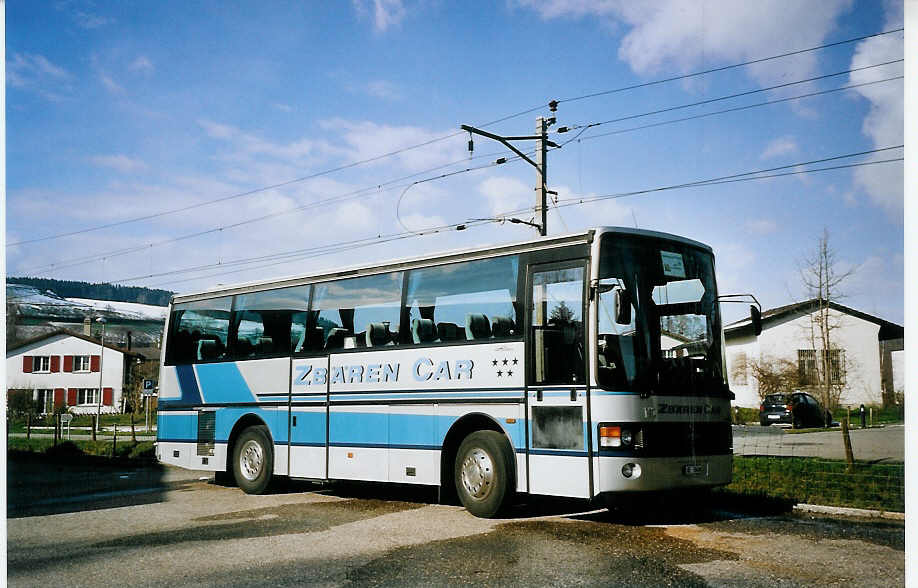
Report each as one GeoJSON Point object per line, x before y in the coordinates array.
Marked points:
{"type": "Point", "coordinates": [253, 460]}
{"type": "Point", "coordinates": [482, 473]}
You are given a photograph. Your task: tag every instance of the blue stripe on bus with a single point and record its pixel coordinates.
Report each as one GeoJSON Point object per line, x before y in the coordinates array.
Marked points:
{"type": "Point", "coordinates": [223, 382]}
{"type": "Point", "coordinates": [188, 384]}
{"type": "Point", "coordinates": [176, 426]}
{"type": "Point", "coordinates": [376, 396]}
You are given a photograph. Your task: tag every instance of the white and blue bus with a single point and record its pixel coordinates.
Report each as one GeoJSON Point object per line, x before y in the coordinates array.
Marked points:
{"type": "Point", "coordinates": [583, 365]}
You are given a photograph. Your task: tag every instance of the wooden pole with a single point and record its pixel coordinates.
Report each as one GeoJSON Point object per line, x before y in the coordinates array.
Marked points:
{"type": "Point", "coordinates": [849, 454]}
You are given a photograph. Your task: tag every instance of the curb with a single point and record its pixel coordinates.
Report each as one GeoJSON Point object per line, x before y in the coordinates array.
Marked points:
{"type": "Point", "coordinates": [850, 512]}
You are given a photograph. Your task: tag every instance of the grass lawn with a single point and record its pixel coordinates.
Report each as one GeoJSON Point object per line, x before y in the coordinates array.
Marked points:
{"type": "Point", "coordinates": [821, 481]}
{"type": "Point", "coordinates": [125, 450]}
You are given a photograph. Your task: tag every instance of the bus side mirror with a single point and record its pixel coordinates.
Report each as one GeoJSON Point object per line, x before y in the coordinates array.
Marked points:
{"type": "Point", "coordinates": [756, 316]}
{"type": "Point", "coordinates": [622, 307]}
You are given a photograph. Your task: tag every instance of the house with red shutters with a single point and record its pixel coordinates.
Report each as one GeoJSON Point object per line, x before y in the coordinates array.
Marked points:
{"type": "Point", "coordinates": [67, 369]}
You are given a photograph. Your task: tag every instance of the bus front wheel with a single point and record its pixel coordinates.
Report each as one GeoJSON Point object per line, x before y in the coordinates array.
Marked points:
{"type": "Point", "coordinates": [482, 473]}
{"type": "Point", "coordinates": [253, 460]}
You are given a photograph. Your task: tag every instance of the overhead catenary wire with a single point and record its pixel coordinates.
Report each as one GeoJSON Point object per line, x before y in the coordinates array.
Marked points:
{"type": "Point", "coordinates": [479, 222]}
{"type": "Point", "coordinates": [571, 201]}
{"type": "Point", "coordinates": [438, 139]}
{"type": "Point", "coordinates": [392, 184]}
{"type": "Point", "coordinates": [125, 251]}
{"type": "Point", "coordinates": [728, 67]}
{"type": "Point", "coordinates": [733, 109]}
{"type": "Point", "coordinates": [583, 127]}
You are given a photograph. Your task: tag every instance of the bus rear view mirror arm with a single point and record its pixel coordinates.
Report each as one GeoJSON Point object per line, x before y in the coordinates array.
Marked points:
{"type": "Point", "coordinates": [755, 310]}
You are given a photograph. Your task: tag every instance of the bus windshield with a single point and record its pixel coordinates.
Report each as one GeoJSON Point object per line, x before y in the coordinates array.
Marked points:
{"type": "Point", "coordinates": [659, 320]}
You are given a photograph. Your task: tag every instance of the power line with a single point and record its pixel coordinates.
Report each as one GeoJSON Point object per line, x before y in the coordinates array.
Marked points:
{"type": "Point", "coordinates": [288, 256]}
{"type": "Point", "coordinates": [735, 109]}
{"type": "Point", "coordinates": [263, 188]}
{"type": "Point", "coordinates": [728, 67]}
{"type": "Point", "coordinates": [730, 96]}
{"type": "Point", "coordinates": [432, 141]}
{"type": "Point", "coordinates": [335, 199]}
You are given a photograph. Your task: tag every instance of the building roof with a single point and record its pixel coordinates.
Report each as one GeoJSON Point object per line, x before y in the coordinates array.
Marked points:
{"type": "Point", "coordinates": [66, 333]}
{"type": "Point", "coordinates": [888, 330]}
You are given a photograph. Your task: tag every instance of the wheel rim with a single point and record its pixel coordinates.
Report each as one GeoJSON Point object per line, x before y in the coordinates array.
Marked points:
{"type": "Point", "coordinates": [478, 474]}
{"type": "Point", "coordinates": [251, 460]}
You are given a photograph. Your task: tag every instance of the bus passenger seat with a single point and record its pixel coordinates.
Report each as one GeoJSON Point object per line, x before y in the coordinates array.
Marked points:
{"type": "Point", "coordinates": [448, 331]}
{"type": "Point", "coordinates": [207, 349]}
{"type": "Point", "coordinates": [502, 327]}
{"type": "Point", "coordinates": [477, 326]}
{"type": "Point", "coordinates": [335, 339]}
{"type": "Point", "coordinates": [423, 331]}
{"type": "Point", "coordinates": [378, 334]}
{"type": "Point", "coordinates": [265, 345]}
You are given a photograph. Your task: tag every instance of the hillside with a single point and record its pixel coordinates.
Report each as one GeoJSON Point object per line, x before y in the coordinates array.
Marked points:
{"type": "Point", "coordinates": [111, 292]}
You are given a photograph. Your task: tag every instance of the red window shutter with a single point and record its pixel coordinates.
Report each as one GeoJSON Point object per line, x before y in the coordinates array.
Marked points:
{"type": "Point", "coordinates": [94, 362]}
{"type": "Point", "coordinates": [107, 396]}
{"type": "Point", "coordinates": [55, 363]}
{"type": "Point", "coordinates": [59, 396]}
{"type": "Point", "coordinates": [71, 396]}
{"type": "Point", "coordinates": [68, 363]}
{"type": "Point", "coordinates": [27, 364]}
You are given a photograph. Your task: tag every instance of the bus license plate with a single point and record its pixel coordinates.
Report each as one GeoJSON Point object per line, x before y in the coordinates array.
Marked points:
{"type": "Point", "coordinates": [694, 469]}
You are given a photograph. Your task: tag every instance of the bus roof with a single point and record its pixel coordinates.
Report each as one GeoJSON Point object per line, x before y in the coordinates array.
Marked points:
{"type": "Point", "coordinates": [438, 258]}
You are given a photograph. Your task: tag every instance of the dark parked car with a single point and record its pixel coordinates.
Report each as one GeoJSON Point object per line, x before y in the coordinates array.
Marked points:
{"type": "Point", "coordinates": [798, 409]}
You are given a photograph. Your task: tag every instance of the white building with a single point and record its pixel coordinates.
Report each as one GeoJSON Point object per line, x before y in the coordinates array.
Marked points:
{"type": "Point", "coordinates": [64, 368]}
{"type": "Point", "coordinates": [861, 356]}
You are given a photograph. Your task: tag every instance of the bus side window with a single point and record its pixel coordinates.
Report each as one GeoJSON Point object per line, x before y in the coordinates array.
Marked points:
{"type": "Point", "coordinates": [342, 305]}
{"type": "Point", "coordinates": [193, 323]}
{"type": "Point", "coordinates": [467, 301]}
{"type": "Point", "coordinates": [263, 322]}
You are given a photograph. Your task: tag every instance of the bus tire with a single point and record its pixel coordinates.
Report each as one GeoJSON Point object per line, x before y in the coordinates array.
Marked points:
{"type": "Point", "coordinates": [253, 460]}
{"type": "Point", "coordinates": [482, 473]}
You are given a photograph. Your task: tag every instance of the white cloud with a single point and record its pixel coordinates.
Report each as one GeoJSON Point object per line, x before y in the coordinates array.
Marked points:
{"type": "Point", "coordinates": [385, 13]}
{"type": "Point", "coordinates": [687, 34]}
{"type": "Point", "coordinates": [86, 20]}
{"type": "Point", "coordinates": [366, 140]}
{"type": "Point", "coordinates": [142, 65]}
{"type": "Point", "coordinates": [505, 194]}
{"type": "Point", "coordinates": [32, 71]}
{"type": "Point", "coordinates": [884, 123]}
{"type": "Point", "coordinates": [779, 146]}
{"type": "Point", "coordinates": [120, 162]}
{"type": "Point", "coordinates": [110, 84]}
{"type": "Point", "coordinates": [383, 89]}
{"type": "Point", "coordinates": [282, 107]}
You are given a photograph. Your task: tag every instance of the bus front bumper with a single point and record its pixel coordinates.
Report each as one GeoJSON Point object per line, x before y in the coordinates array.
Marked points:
{"type": "Point", "coordinates": [651, 474]}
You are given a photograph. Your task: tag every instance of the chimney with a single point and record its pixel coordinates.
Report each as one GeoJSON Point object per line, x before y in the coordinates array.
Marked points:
{"type": "Point", "coordinates": [87, 327]}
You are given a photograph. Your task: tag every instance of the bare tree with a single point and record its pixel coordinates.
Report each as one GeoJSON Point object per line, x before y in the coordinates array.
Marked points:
{"type": "Point", "coordinates": [824, 281]}
{"type": "Point", "coordinates": [773, 375]}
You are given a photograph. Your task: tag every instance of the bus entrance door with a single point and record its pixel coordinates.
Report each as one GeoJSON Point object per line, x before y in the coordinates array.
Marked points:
{"type": "Point", "coordinates": [557, 395]}
{"type": "Point", "coordinates": [308, 418]}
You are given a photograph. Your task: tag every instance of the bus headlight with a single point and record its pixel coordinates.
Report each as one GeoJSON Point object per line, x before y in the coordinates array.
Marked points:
{"type": "Point", "coordinates": [626, 437]}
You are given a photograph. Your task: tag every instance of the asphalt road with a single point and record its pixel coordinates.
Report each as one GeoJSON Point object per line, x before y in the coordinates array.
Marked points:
{"type": "Point", "coordinates": [878, 445]}
{"type": "Point", "coordinates": [186, 531]}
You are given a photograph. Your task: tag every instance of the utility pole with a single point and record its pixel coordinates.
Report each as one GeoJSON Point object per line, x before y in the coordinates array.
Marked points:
{"type": "Point", "coordinates": [542, 173]}
{"type": "Point", "coordinates": [540, 163]}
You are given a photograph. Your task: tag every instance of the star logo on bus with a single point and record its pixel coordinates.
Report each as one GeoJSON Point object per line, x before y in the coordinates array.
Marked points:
{"type": "Point", "coordinates": [504, 361]}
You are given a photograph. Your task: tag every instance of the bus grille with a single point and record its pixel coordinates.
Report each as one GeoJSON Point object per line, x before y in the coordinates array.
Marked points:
{"type": "Point", "coordinates": [206, 426]}
{"type": "Point", "coordinates": [686, 439]}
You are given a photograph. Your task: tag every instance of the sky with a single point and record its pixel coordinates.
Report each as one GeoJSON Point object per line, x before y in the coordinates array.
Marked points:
{"type": "Point", "coordinates": [161, 143]}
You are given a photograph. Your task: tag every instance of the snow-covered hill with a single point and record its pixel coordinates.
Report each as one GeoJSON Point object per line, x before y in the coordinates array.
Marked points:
{"type": "Point", "coordinates": [36, 304]}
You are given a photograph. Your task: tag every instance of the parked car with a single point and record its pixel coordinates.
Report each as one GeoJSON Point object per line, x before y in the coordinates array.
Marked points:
{"type": "Point", "coordinates": [798, 409]}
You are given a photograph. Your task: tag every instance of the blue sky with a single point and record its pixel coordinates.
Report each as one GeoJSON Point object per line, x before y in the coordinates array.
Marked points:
{"type": "Point", "coordinates": [120, 111]}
